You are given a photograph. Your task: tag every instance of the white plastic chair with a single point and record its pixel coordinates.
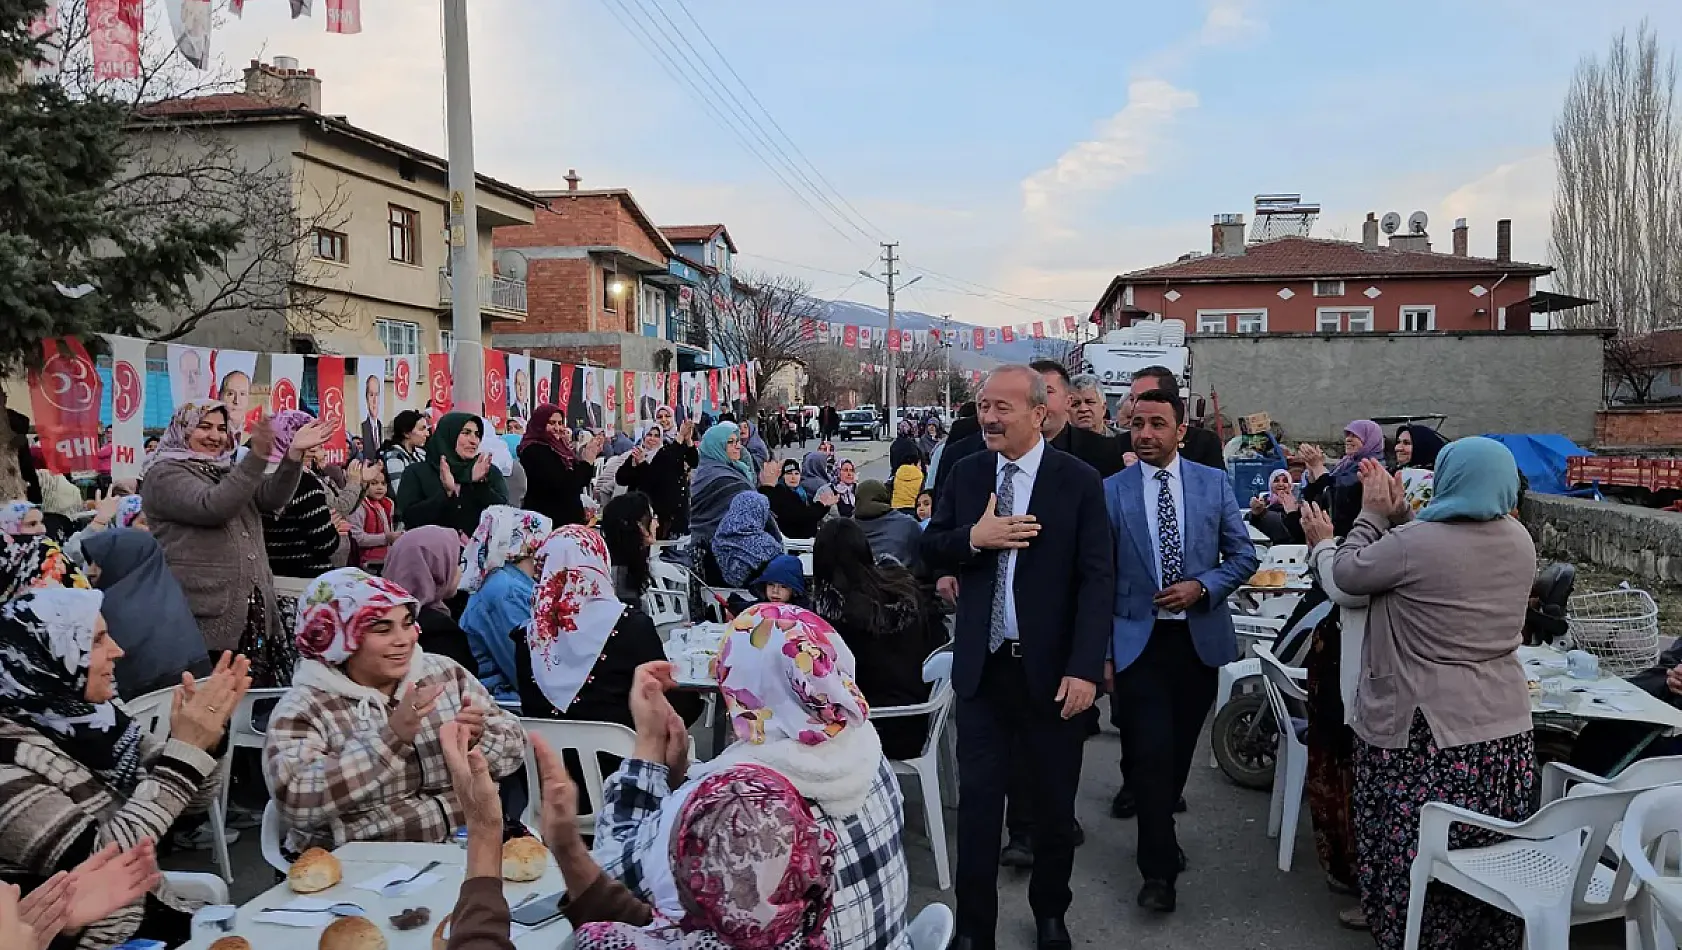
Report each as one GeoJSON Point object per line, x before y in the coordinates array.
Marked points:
{"type": "Point", "coordinates": [244, 734]}
{"type": "Point", "coordinates": [1290, 773]}
{"type": "Point", "coordinates": [1559, 779]}
{"type": "Point", "coordinates": [273, 833]}
{"type": "Point", "coordinates": [588, 740]}
{"type": "Point", "coordinates": [1286, 557]}
{"type": "Point", "coordinates": [152, 712]}
{"type": "Point", "coordinates": [932, 929]}
{"type": "Point", "coordinates": [667, 608]}
{"type": "Point", "coordinates": [1652, 821]}
{"type": "Point", "coordinates": [193, 886]}
{"type": "Point", "coordinates": [1546, 872]}
{"type": "Point", "coordinates": [937, 670]}
{"type": "Point", "coordinates": [666, 575]}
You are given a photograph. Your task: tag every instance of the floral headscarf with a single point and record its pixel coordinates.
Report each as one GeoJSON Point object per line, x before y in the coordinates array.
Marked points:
{"type": "Point", "coordinates": [337, 607]}
{"type": "Point", "coordinates": [505, 535]}
{"type": "Point", "coordinates": [285, 426]}
{"type": "Point", "coordinates": [30, 561]}
{"type": "Point", "coordinates": [752, 866]}
{"type": "Point", "coordinates": [743, 543]}
{"type": "Point", "coordinates": [574, 613]}
{"type": "Point", "coordinates": [173, 446]}
{"type": "Point", "coordinates": [786, 674]}
{"type": "Point", "coordinates": [46, 644]}
{"type": "Point", "coordinates": [12, 514]}
{"type": "Point", "coordinates": [128, 510]}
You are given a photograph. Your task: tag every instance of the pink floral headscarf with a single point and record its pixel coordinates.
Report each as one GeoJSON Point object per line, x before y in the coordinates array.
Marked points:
{"type": "Point", "coordinates": [285, 426]}
{"type": "Point", "coordinates": [753, 869]}
{"type": "Point", "coordinates": [173, 446]}
{"type": "Point", "coordinates": [505, 534]}
{"type": "Point", "coordinates": [786, 674]}
{"type": "Point", "coordinates": [573, 613]}
{"type": "Point", "coordinates": [337, 607]}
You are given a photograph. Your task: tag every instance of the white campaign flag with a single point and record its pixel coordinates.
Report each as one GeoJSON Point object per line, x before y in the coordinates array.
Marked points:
{"type": "Point", "coordinates": [286, 381]}
{"type": "Point", "coordinates": [189, 374]}
{"type": "Point", "coordinates": [128, 406]}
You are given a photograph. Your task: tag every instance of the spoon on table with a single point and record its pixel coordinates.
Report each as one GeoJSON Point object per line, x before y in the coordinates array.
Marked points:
{"type": "Point", "coordinates": [342, 909]}
{"type": "Point", "coordinates": [394, 888]}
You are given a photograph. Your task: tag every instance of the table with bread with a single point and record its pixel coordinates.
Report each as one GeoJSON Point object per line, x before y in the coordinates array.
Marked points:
{"type": "Point", "coordinates": [417, 919]}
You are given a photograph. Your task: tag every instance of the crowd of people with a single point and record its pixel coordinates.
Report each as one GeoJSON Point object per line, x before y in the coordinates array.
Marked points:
{"type": "Point", "coordinates": [450, 575]}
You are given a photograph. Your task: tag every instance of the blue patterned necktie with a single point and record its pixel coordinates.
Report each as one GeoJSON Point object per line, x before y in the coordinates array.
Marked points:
{"type": "Point", "coordinates": [1001, 585]}
{"type": "Point", "coordinates": [1168, 533]}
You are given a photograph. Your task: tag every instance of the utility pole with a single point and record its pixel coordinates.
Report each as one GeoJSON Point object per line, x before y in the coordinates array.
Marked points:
{"type": "Point", "coordinates": [946, 341]}
{"type": "Point", "coordinates": [888, 248]}
{"type": "Point", "coordinates": [468, 392]}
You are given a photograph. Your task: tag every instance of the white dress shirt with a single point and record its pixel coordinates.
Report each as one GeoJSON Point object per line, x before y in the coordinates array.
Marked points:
{"type": "Point", "coordinates": [1027, 469]}
{"type": "Point", "coordinates": [1176, 490]}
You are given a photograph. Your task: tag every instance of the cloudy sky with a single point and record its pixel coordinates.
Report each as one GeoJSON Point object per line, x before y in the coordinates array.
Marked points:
{"type": "Point", "coordinates": [1021, 153]}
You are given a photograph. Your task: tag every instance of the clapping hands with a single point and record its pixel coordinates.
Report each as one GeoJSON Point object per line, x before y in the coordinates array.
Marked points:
{"type": "Point", "coordinates": [1382, 493]}
{"type": "Point", "coordinates": [661, 734]}
{"type": "Point", "coordinates": [200, 709]}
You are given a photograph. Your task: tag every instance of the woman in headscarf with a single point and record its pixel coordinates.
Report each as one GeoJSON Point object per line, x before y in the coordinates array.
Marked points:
{"type": "Point", "coordinates": [1441, 709]}
{"type": "Point", "coordinates": [929, 441]}
{"type": "Point", "coordinates": [659, 467]}
{"type": "Point", "coordinates": [426, 562]}
{"type": "Point", "coordinates": [799, 510]}
{"type": "Point", "coordinates": [405, 446]}
{"type": "Point", "coordinates": [666, 419]}
{"type": "Point", "coordinates": [556, 476]}
{"type": "Point", "coordinates": [146, 611]}
{"type": "Point", "coordinates": [31, 561]}
{"type": "Point", "coordinates": [788, 683]}
{"type": "Point", "coordinates": [500, 575]}
{"type": "Point", "coordinates": [747, 539]}
{"type": "Point", "coordinates": [846, 488]}
{"type": "Point", "coordinates": [303, 539]}
{"type": "Point", "coordinates": [21, 518]}
{"type": "Point", "coordinates": [457, 483]}
{"type": "Point", "coordinates": [1268, 511]}
{"type": "Point", "coordinates": [756, 448]}
{"type": "Point", "coordinates": [353, 751]}
{"type": "Point", "coordinates": [721, 476]}
{"type": "Point", "coordinates": [1417, 448]}
{"type": "Point", "coordinates": [79, 774]}
{"type": "Point", "coordinates": [583, 642]}
{"type": "Point", "coordinates": [207, 513]}
{"type": "Point", "coordinates": [1338, 490]}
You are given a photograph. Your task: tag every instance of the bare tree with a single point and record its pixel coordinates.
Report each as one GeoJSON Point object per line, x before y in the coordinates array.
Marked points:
{"type": "Point", "coordinates": [1617, 216]}
{"type": "Point", "coordinates": [832, 372]}
{"type": "Point", "coordinates": [913, 371]}
{"type": "Point", "coordinates": [763, 318]}
{"type": "Point", "coordinates": [1631, 368]}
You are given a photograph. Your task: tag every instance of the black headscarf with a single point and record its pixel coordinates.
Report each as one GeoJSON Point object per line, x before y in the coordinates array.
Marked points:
{"type": "Point", "coordinates": [1427, 443]}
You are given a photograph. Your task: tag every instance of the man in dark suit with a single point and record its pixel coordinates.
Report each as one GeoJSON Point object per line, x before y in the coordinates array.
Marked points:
{"type": "Point", "coordinates": [1197, 445]}
{"type": "Point", "coordinates": [1181, 550]}
{"type": "Point", "coordinates": [1034, 598]}
{"type": "Point", "coordinates": [1104, 455]}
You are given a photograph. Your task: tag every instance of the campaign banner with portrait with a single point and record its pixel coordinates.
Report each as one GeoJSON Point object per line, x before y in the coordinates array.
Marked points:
{"type": "Point", "coordinates": [519, 388]}
{"type": "Point", "coordinates": [370, 403]}
{"type": "Point", "coordinates": [235, 371]}
{"type": "Point", "coordinates": [128, 405]}
{"type": "Point", "coordinates": [190, 374]}
{"type": "Point", "coordinates": [64, 393]}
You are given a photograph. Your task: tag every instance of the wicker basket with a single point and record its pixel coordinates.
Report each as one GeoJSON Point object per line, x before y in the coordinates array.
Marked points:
{"type": "Point", "coordinates": [1621, 627]}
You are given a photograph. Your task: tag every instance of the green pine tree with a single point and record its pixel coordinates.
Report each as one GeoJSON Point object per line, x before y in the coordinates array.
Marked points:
{"type": "Point", "coordinates": [59, 158]}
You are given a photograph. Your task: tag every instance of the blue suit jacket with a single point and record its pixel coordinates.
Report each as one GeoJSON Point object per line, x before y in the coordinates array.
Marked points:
{"type": "Point", "coordinates": [1218, 553]}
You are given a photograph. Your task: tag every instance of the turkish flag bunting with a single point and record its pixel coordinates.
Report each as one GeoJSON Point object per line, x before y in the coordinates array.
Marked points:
{"type": "Point", "coordinates": [980, 338]}
{"type": "Point", "coordinates": [1007, 334]}
{"type": "Point", "coordinates": [1069, 325]}
{"type": "Point", "coordinates": [850, 337]}
{"type": "Point", "coordinates": [1039, 330]}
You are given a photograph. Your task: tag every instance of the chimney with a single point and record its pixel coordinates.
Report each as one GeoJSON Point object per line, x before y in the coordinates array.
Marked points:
{"type": "Point", "coordinates": [1459, 237]}
{"type": "Point", "coordinates": [1504, 239]}
{"type": "Point", "coordinates": [284, 84]}
{"type": "Point", "coordinates": [1369, 232]}
{"type": "Point", "coordinates": [572, 179]}
{"type": "Point", "coordinates": [1418, 243]}
{"type": "Point", "coordinates": [1228, 236]}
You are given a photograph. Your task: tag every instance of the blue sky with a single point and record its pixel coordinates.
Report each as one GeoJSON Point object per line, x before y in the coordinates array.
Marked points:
{"type": "Point", "coordinates": [1034, 148]}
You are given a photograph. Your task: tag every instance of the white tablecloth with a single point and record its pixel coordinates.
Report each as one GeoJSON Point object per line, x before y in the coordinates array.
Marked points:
{"type": "Point", "coordinates": [1605, 698]}
{"type": "Point", "coordinates": [362, 861]}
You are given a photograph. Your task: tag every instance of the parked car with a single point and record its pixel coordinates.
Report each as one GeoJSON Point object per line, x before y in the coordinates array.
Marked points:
{"type": "Point", "coordinates": [857, 423]}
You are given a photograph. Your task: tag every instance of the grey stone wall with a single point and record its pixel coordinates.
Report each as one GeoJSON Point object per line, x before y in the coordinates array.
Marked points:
{"type": "Point", "coordinates": [1642, 542]}
{"type": "Point", "coordinates": [1313, 385]}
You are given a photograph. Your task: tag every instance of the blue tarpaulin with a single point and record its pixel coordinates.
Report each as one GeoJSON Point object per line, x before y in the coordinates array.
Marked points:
{"type": "Point", "coordinates": [1542, 459]}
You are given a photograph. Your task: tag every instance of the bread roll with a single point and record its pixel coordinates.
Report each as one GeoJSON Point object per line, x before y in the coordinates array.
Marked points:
{"type": "Point", "coordinates": [231, 943]}
{"type": "Point", "coordinates": [352, 933]}
{"type": "Point", "coordinates": [315, 870]}
{"type": "Point", "coordinates": [524, 859]}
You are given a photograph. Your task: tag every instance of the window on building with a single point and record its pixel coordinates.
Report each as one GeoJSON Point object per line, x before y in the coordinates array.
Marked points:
{"type": "Point", "coordinates": [1418, 319]}
{"type": "Point", "coordinates": [1344, 321]}
{"type": "Point", "coordinates": [613, 289]}
{"type": "Point", "coordinates": [400, 338]}
{"type": "Point", "coordinates": [332, 246]}
{"type": "Point", "coordinates": [1211, 323]}
{"type": "Point", "coordinates": [1254, 321]}
{"type": "Point", "coordinates": [447, 344]}
{"type": "Point", "coordinates": [1328, 288]}
{"type": "Point", "coordinates": [405, 235]}
{"type": "Point", "coordinates": [653, 305]}
{"type": "Point", "coordinates": [1241, 321]}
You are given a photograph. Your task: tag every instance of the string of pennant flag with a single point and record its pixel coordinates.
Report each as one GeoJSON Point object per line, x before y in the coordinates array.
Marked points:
{"type": "Point", "coordinates": [854, 336]}
{"type": "Point", "coordinates": [73, 394]}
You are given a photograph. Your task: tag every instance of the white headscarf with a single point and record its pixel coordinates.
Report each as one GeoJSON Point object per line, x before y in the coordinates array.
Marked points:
{"type": "Point", "coordinates": [574, 612]}
{"type": "Point", "coordinates": [505, 534]}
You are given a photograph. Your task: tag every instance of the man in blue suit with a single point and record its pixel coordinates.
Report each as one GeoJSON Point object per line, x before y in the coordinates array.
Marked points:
{"type": "Point", "coordinates": [1181, 550]}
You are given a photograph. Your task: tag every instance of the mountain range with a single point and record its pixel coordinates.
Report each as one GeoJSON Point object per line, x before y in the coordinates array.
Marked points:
{"type": "Point", "coordinates": [1021, 351]}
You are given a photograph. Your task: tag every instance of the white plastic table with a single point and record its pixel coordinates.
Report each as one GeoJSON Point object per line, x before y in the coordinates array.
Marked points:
{"type": "Point", "coordinates": [362, 861]}
{"type": "Point", "coordinates": [1607, 697]}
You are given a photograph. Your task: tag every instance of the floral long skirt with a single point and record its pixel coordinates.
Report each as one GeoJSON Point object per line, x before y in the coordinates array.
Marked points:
{"type": "Point", "coordinates": [1330, 783]}
{"type": "Point", "coordinates": [269, 645]}
{"type": "Point", "coordinates": [1494, 778]}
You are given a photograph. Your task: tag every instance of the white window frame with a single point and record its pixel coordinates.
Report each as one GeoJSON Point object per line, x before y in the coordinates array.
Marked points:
{"type": "Point", "coordinates": [1329, 292]}
{"type": "Point", "coordinates": [1205, 320]}
{"type": "Point", "coordinates": [1342, 322]}
{"type": "Point", "coordinates": [653, 305]}
{"type": "Point", "coordinates": [1239, 316]}
{"type": "Point", "coordinates": [1430, 311]}
{"type": "Point", "coordinates": [400, 338]}
{"type": "Point", "coordinates": [447, 344]}
{"type": "Point", "coordinates": [1232, 321]}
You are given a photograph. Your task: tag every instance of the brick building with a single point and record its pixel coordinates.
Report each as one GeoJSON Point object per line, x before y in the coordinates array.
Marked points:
{"type": "Point", "coordinates": [603, 284]}
{"type": "Point", "coordinates": [1311, 285]}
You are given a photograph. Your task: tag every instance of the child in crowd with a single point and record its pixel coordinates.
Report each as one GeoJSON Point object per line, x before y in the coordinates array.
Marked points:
{"type": "Point", "coordinates": [781, 581]}
{"type": "Point", "coordinates": [373, 525]}
{"type": "Point", "coordinates": [925, 507]}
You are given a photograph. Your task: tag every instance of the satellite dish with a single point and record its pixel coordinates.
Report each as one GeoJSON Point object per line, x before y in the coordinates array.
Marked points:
{"type": "Point", "coordinates": [1390, 222]}
{"type": "Point", "coordinates": [510, 264]}
{"type": "Point", "coordinates": [1417, 222]}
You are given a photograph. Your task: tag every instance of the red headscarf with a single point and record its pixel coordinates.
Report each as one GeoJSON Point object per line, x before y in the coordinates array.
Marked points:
{"type": "Point", "coordinates": [537, 433]}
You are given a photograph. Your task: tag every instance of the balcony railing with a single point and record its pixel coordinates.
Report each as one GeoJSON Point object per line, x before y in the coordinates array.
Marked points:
{"type": "Point", "coordinates": [496, 293]}
{"type": "Point", "coordinates": [688, 329]}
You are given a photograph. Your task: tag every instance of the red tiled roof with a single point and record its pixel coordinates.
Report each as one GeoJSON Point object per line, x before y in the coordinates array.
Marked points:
{"type": "Point", "coordinates": [695, 234]}
{"type": "Point", "coordinates": [215, 103]}
{"type": "Point", "coordinates": [1308, 258]}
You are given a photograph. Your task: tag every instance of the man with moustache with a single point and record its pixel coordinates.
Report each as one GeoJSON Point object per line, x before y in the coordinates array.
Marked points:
{"type": "Point", "coordinates": [1181, 549]}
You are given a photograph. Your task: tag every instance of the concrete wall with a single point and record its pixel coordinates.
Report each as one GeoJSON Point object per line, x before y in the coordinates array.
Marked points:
{"type": "Point", "coordinates": [1485, 382]}
{"type": "Point", "coordinates": [1642, 542]}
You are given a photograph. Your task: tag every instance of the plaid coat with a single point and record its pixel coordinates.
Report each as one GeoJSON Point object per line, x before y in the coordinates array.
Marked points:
{"type": "Point", "coordinates": [872, 885]}
{"type": "Point", "coordinates": [338, 773]}
{"type": "Point", "coordinates": [55, 814]}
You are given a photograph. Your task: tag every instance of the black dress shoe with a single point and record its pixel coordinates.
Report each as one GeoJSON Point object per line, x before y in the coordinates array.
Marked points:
{"type": "Point", "coordinates": [1124, 805]}
{"type": "Point", "coordinates": [1018, 852]}
{"type": "Point", "coordinates": [1157, 896]}
{"type": "Point", "coordinates": [1051, 934]}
